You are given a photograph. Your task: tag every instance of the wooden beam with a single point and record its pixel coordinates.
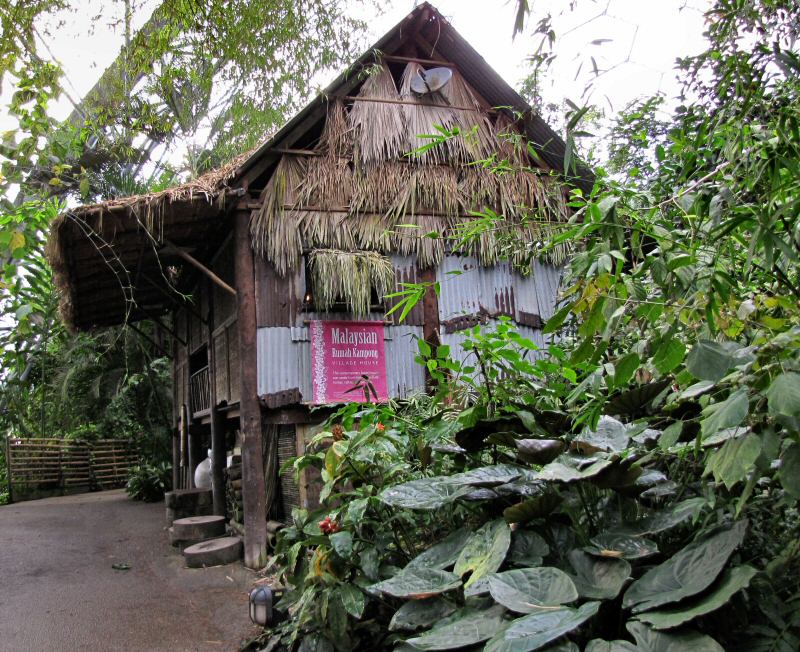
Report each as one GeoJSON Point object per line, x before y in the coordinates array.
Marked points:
{"type": "Point", "coordinates": [196, 263]}
{"type": "Point", "coordinates": [389, 100]}
{"type": "Point", "coordinates": [254, 487]}
{"type": "Point", "coordinates": [427, 62]}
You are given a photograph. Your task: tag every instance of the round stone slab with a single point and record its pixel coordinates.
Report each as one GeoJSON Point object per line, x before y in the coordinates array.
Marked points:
{"type": "Point", "coordinates": [197, 528]}
{"type": "Point", "coordinates": [214, 552]}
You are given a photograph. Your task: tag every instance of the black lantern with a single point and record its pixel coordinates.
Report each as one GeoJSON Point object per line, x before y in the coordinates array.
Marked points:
{"type": "Point", "coordinates": [261, 605]}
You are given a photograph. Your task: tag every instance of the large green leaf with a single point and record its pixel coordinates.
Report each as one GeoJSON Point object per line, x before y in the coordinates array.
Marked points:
{"type": "Point", "coordinates": [732, 581]}
{"type": "Point", "coordinates": [427, 493]}
{"type": "Point", "coordinates": [485, 551]}
{"type": "Point", "coordinates": [610, 436]}
{"type": "Point", "coordinates": [418, 614]}
{"type": "Point", "coordinates": [649, 640]}
{"type": "Point", "coordinates": [525, 590]}
{"type": "Point", "coordinates": [669, 355]}
{"type": "Point", "coordinates": [635, 400]}
{"type": "Point", "coordinates": [443, 554]}
{"type": "Point", "coordinates": [534, 631]}
{"type": "Point", "coordinates": [789, 473]}
{"type": "Point", "coordinates": [597, 578]}
{"type": "Point", "coordinates": [353, 599]}
{"type": "Point", "coordinates": [418, 582]}
{"type": "Point", "coordinates": [488, 476]}
{"type": "Point", "coordinates": [563, 469]}
{"type": "Point", "coordinates": [536, 507]}
{"type": "Point", "coordinates": [599, 645]}
{"type": "Point", "coordinates": [783, 395]}
{"type": "Point", "coordinates": [611, 544]}
{"type": "Point", "coordinates": [734, 460]}
{"type": "Point", "coordinates": [467, 626]}
{"type": "Point", "coordinates": [687, 573]}
{"type": "Point", "coordinates": [665, 519]}
{"type": "Point", "coordinates": [726, 414]}
{"type": "Point", "coordinates": [624, 368]}
{"type": "Point", "coordinates": [539, 451]}
{"type": "Point", "coordinates": [527, 548]}
{"type": "Point", "coordinates": [709, 360]}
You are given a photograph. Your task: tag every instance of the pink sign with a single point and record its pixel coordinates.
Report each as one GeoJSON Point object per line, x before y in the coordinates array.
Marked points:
{"type": "Point", "coordinates": [348, 362]}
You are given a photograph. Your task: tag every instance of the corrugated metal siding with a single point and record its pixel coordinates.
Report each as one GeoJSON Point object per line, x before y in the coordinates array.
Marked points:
{"type": "Point", "coordinates": [495, 289]}
{"type": "Point", "coordinates": [284, 359]}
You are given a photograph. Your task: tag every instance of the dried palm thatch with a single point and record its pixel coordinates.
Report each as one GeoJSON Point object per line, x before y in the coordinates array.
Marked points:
{"type": "Point", "coordinates": [349, 276]}
{"type": "Point", "coordinates": [423, 236]}
{"type": "Point", "coordinates": [329, 179]}
{"type": "Point", "coordinates": [378, 187]}
{"type": "Point", "coordinates": [378, 127]}
{"type": "Point", "coordinates": [359, 193]}
{"type": "Point", "coordinates": [451, 109]}
{"type": "Point", "coordinates": [328, 182]}
{"type": "Point", "coordinates": [326, 229]}
{"type": "Point", "coordinates": [337, 135]}
{"type": "Point", "coordinates": [478, 188]}
{"type": "Point", "coordinates": [274, 232]}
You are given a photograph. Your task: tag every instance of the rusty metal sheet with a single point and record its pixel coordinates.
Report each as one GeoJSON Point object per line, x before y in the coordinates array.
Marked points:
{"type": "Point", "coordinates": [469, 289]}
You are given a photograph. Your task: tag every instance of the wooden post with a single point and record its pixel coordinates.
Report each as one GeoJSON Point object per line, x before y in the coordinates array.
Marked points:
{"type": "Point", "coordinates": [217, 433]}
{"type": "Point", "coordinates": [176, 458]}
{"type": "Point", "coordinates": [253, 487]}
{"type": "Point", "coordinates": [193, 452]}
{"type": "Point", "coordinates": [8, 470]}
{"type": "Point", "coordinates": [184, 447]}
{"type": "Point", "coordinates": [430, 316]}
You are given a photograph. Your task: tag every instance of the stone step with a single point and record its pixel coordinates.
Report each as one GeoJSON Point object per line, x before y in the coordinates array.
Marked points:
{"type": "Point", "coordinates": [214, 552]}
{"type": "Point", "coordinates": [196, 529]}
{"type": "Point", "coordinates": [182, 503]}
{"type": "Point", "coordinates": [182, 544]}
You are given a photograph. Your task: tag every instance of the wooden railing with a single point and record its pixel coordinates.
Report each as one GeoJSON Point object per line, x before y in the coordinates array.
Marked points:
{"type": "Point", "coordinates": [199, 391]}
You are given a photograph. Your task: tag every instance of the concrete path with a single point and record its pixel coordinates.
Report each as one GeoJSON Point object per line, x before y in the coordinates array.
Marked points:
{"type": "Point", "coordinates": [58, 590]}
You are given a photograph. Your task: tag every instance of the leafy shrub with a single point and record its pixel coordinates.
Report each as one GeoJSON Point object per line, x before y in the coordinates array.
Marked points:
{"type": "Point", "coordinates": [519, 523]}
{"type": "Point", "coordinates": [149, 482]}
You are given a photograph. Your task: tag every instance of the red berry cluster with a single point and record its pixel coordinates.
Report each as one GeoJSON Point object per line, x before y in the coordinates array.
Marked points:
{"type": "Point", "coordinates": [328, 526]}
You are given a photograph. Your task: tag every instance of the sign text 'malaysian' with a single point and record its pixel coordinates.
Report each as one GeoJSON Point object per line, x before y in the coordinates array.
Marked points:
{"type": "Point", "coordinates": [353, 337]}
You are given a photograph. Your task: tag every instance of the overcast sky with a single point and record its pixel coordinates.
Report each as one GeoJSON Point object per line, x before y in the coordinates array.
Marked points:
{"type": "Point", "coordinates": [640, 41]}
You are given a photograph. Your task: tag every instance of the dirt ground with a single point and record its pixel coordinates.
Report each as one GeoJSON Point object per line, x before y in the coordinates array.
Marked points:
{"type": "Point", "coordinates": [58, 590]}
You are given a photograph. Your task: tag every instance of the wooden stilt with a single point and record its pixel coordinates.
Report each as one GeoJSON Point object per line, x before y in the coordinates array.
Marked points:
{"type": "Point", "coordinates": [253, 485]}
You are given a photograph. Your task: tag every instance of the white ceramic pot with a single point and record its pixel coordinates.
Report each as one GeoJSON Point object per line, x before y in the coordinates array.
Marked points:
{"type": "Point", "coordinates": [202, 474]}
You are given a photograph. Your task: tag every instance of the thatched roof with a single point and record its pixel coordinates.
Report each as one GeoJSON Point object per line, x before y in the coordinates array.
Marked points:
{"type": "Point", "coordinates": [108, 260]}
{"type": "Point", "coordinates": [354, 192]}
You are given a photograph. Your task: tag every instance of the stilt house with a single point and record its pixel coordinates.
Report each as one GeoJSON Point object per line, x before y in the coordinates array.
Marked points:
{"type": "Point", "coordinates": [271, 273]}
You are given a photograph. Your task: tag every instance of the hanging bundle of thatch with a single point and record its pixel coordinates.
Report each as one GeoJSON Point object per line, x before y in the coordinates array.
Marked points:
{"type": "Point", "coordinates": [275, 232]}
{"type": "Point", "coordinates": [349, 276]}
{"type": "Point", "coordinates": [326, 229]}
{"type": "Point", "coordinates": [328, 182]}
{"type": "Point", "coordinates": [378, 127]}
